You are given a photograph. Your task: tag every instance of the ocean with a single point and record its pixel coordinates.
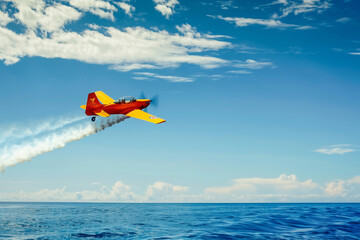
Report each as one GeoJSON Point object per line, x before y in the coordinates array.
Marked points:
{"type": "Point", "coordinates": [179, 221]}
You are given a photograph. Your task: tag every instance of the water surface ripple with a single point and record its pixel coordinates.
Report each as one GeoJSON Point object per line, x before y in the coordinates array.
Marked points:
{"type": "Point", "coordinates": [178, 221]}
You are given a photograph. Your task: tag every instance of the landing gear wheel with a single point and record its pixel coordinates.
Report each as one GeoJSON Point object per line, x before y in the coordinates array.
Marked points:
{"type": "Point", "coordinates": [93, 119]}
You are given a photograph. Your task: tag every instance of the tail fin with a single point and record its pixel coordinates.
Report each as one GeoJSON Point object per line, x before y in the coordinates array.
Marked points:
{"type": "Point", "coordinates": [92, 102]}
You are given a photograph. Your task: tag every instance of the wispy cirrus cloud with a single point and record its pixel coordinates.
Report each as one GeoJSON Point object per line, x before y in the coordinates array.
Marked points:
{"type": "Point", "coordinates": [244, 22]}
{"type": "Point", "coordinates": [239, 71]}
{"type": "Point", "coordinates": [297, 7]}
{"type": "Point", "coordinates": [357, 52]}
{"type": "Point", "coordinates": [336, 149]}
{"type": "Point", "coordinates": [146, 75]}
{"type": "Point", "coordinates": [269, 23]}
{"type": "Point", "coordinates": [252, 64]}
{"type": "Point", "coordinates": [343, 20]}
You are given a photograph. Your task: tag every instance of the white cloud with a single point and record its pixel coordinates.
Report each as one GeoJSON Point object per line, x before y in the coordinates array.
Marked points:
{"type": "Point", "coordinates": [125, 49]}
{"type": "Point", "coordinates": [100, 8]}
{"type": "Point", "coordinates": [36, 14]}
{"type": "Point", "coordinates": [303, 6]}
{"type": "Point", "coordinates": [168, 78]}
{"type": "Point", "coordinates": [227, 4]}
{"type": "Point", "coordinates": [336, 149]}
{"type": "Point", "coordinates": [355, 53]}
{"type": "Point", "coordinates": [135, 45]}
{"type": "Point", "coordinates": [283, 184]}
{"type": "Point", "coordinates": [140, 78]}
{"type": "Point", "coordinates": [343, 20]}
{"type": "Point", "coordinates": [165, 192]}
{"type": "Point", "coordinates": [285, 188]}
{"type": "Point", "coordinates": [305, 27]}
{"type": "Point", "coordinates": [4, 18]}
{"type": "Point", "coordinates": [336, 188]}
{"type": "Point", "coordinates": [239, 71]}
{"type": "Point", "coordinates": [252, 64]}
{"type": "Point", "coordinates": [119, 192]}
{"type": "Point", "coordinates": [244, 22]}
{"type": "Point", "coordinates": [166, 7]}
{"type": "Point", "coordinates": [130, 67]}
{"type": "Point", "coordinates": [126, 7]}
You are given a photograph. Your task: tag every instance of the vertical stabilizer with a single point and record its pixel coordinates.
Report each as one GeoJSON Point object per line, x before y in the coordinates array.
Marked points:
{"type": "Point", "coordinates": [92, 102]}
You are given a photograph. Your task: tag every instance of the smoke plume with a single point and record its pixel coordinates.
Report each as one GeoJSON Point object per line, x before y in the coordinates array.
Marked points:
{"type": "Point", "coordinates": [14, 132]}
{"type": "Point", "coordinates": [13, 154]}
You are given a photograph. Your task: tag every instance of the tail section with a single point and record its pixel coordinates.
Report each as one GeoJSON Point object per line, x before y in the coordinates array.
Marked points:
{"type": "Point", "coordinates": [92, 104]}
{"type": "Point", "coordinates": [95, 102]}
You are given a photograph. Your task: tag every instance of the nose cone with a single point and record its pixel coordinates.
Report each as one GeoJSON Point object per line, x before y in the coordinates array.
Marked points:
{"type": "Point", "coordinates": [144, 103]}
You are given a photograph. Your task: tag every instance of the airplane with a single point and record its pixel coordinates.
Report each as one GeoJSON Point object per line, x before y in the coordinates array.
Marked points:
{"type": "Point", "coordinates": [100, 104]}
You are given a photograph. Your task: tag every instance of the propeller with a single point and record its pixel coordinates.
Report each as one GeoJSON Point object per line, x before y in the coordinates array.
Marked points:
{"type": "Point", "coordinates": [154, 100]}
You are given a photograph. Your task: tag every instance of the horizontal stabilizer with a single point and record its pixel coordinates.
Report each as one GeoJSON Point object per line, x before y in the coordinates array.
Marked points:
{"type": "Point", "coordinates": [101, 113]}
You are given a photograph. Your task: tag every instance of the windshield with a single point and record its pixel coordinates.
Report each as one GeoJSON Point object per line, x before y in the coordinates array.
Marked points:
{"type": "Point", "coordinates": [126, 99]}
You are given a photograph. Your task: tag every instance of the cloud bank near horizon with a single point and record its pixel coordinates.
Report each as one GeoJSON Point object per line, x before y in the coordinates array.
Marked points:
{"type": "Point", "coordinates": [285, 188]}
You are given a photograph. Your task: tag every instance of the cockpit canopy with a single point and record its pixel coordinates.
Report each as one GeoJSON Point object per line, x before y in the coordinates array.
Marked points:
{"type": "Point", "coordinates": [126, 99]}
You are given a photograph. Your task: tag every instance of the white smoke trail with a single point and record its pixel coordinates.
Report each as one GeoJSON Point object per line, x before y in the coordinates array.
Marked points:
{"type": "Point", "coordinates": [19, 153]}
{"type": "Point", "coordinates": [18, 132]}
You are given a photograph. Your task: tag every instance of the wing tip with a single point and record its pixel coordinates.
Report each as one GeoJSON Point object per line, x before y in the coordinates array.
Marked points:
{"type": "Point", "coordinates": [161, 122]}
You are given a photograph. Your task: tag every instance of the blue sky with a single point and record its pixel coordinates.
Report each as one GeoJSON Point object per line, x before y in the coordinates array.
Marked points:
{"type": "Point", "coordinates": [260, 97]}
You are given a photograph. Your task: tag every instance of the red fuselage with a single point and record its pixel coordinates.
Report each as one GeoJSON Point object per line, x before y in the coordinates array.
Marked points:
{"type": "Point", "coordinates": [119, 108]}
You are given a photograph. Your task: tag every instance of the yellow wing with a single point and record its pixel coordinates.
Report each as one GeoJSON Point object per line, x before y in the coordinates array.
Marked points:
{"type": "Point", "coordinates": [102, 113]}
{"type": "Point", "coordinates": [105, 99]}
{"type": "Point", "coordinates": [145, 116]}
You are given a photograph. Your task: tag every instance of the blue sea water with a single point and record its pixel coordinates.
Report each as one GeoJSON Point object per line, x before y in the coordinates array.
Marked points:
{"type": "Point", "coordinates": [178, 221]}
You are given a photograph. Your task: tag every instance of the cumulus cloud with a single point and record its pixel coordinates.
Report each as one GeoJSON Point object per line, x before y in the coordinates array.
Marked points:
{"type": "Point", "coordinates": [115, 46]}
{"type": "Point", "coordinates": [336, 149]}
{"type": "Point", "coordinates": [336, 188]}
{"type": "Point", "coordinates": [126, 49]}
{"type": "Point", "coordinates": [4, 18]}
{"type": "Point", "coordinates": [37, 14]}
{"type": "Point", "coordinates": [126, 7]}
{"type": "Point", "coordinates": [285, 188]}
{"type": "Point", "coordinates": [165, 192]}
{"type": "Point", "coordinates": [166, 7]}
{"type": "Point", "coordinates": [119, 192]}
{"type": "Point", "coordinates": [100, 8]}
